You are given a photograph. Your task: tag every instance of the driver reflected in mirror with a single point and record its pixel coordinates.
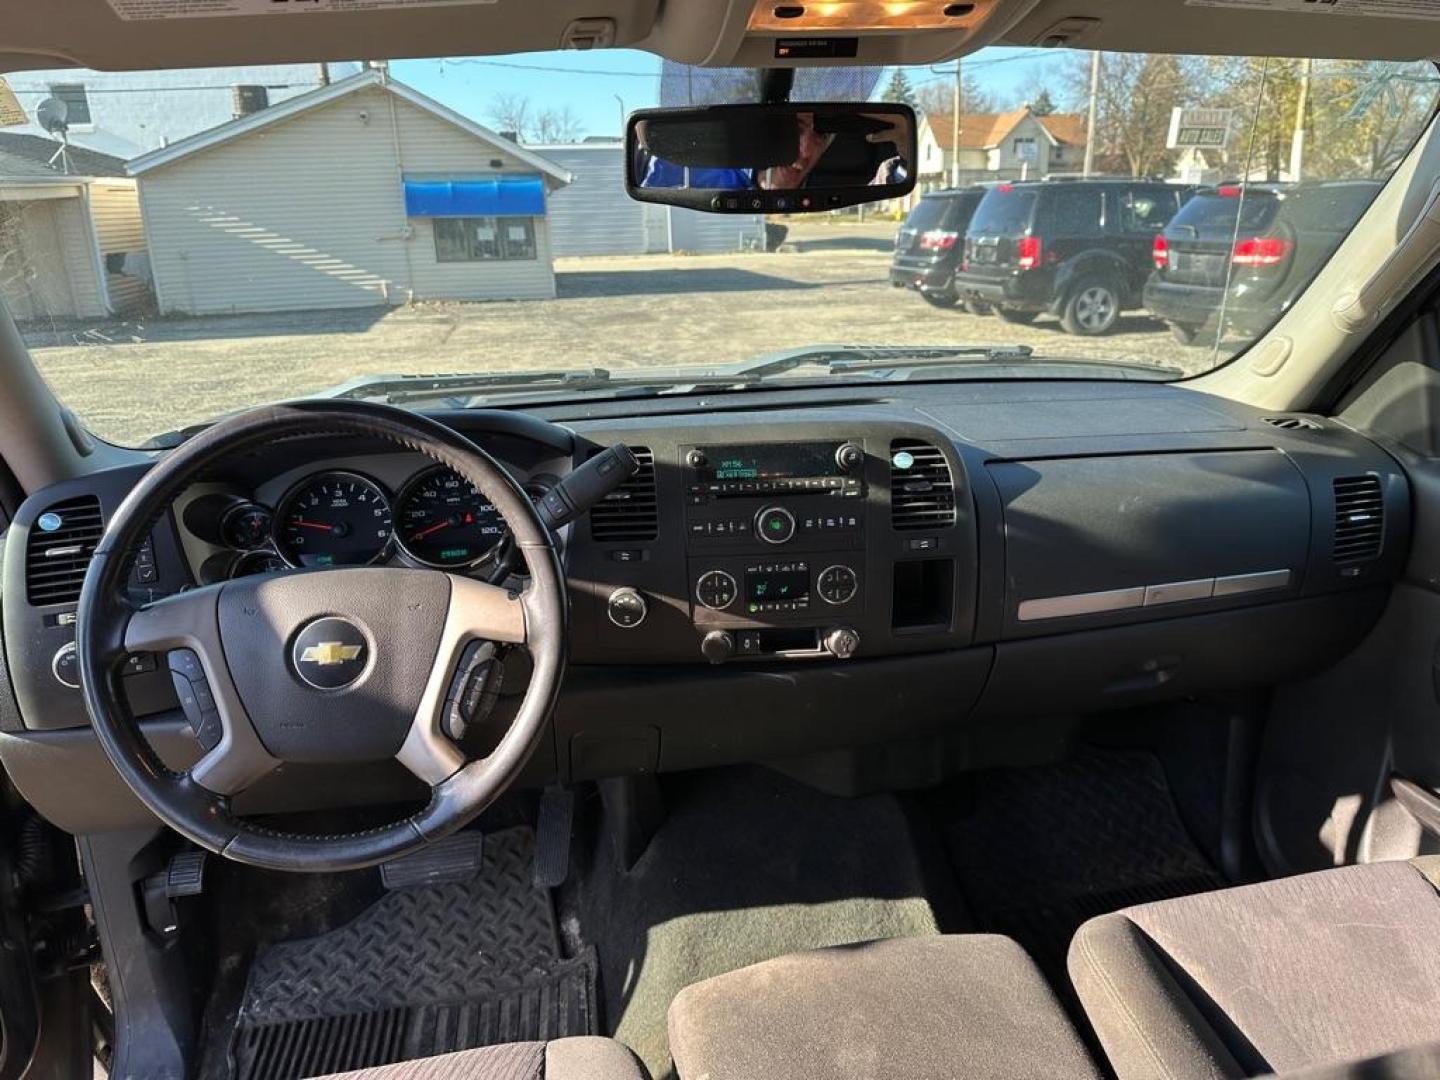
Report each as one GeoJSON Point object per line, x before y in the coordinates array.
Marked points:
{"type": "Point", "coordinates": [843, 156]}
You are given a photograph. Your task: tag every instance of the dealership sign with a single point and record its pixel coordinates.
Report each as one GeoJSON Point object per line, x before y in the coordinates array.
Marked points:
{"type": "Point", "coordinates": [1206, 129]}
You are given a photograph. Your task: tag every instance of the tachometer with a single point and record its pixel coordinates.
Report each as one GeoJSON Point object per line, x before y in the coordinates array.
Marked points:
{"type": "Point", "coordinates": [445, 522]}
{"type": "Point", "coordinates": [333, 519]}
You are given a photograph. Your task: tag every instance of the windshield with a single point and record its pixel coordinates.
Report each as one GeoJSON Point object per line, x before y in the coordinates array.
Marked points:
{"type": "Point", "coordinates": [177, 245]}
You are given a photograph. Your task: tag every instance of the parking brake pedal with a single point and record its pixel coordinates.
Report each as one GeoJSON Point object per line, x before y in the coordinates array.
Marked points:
{"type": "Point", "coordinates": [184, 875]}
{"type": "Point", "coordinates": [552, 837]}
{"type": "Point", "coordinates": [456, 858]}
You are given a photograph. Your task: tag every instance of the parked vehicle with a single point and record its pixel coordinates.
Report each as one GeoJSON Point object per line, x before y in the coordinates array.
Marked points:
{"type": "Point", "coordinates": [1249, 250]}
{"type": "Point", "coordinates": [1078, 249]}
{"type": "Point", "coordinates": [929, 244]}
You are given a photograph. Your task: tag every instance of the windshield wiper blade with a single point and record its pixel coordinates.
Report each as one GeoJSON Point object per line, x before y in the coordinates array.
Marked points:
{"type": "Point", "coordinates": [853, 357]}
{"type": "Point", "coordinates": [396, 389]}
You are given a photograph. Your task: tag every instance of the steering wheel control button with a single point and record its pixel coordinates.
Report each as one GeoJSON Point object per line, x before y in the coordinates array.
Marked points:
{"type": "Point", "coordinates": [330, 653]}
{"type": "Point", "coordinates": [473, 689]}
{"type": "Point", "coordinates": [65, 666]}
{"type": "Point", "coordinates": [716, 590]}
{"type": "Point", "coordinates": [196, 699]}
{"type": "Point", "coordinates": [775, 525]}
{"type": "Point", "coordinates": [627, 608]}
{"type": "Point", "coordinates": [837, 584]}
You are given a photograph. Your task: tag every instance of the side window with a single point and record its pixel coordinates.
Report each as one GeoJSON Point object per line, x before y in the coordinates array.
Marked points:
{"type": "Point", "coordinates": [1146, 210]}
{"type": "Point", "coordinates": [1076, 211]}
{"type": "Point", "coordinates": [484, 239]}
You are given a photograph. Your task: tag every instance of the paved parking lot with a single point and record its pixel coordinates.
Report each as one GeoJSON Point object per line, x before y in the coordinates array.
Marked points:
{"type": "Point", "coordinates": [829, 284]}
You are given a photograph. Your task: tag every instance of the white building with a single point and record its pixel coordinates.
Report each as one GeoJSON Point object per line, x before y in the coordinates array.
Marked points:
{"type": "Point", "coordinates": [358, 193]}
{"type": "Point", "coordinates": [999, 146]}
{"type": "Point", "coordinates": [125, 113]}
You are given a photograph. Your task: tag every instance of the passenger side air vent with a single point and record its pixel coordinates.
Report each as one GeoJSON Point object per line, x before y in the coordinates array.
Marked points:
{"type": "Point", "coordinates": [922, 493]}
{"type": "Point", "coordinates": [61, 542]}
{"type": "Point", "coordinates": [629, 514]}
{"type": "Point", "coordinates": [1359, 519]}
{"type": "Point", "coordinates": [1293, 423]}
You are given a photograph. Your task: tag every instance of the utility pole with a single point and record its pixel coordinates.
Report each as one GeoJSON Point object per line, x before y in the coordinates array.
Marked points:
{"type": "Point", "coordinates": [1302, 106]}
{"type": "Point", "coordinates": [955, 104]}
{"type": "Point", "coordinates": [1090, 112]}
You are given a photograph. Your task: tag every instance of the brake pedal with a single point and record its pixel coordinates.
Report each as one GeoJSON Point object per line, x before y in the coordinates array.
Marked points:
{"type": "Point", "coordinates": [456, 858]}
{"type": "Point", "coordinates": [552, 837]}
{"type": "Point", "coordinates": [184, 875]}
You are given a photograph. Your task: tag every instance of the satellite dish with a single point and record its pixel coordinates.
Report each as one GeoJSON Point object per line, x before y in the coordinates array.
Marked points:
{"type": "Point", "coordinates": [51, 114]}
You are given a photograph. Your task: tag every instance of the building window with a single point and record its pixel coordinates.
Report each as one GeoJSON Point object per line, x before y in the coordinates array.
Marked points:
{"type": "Point", "coordinates": [1025, 150]}
{"type": "Point", "coordinates": [77, 105]}
{"type": "Point", "coordinates": [484, 238]}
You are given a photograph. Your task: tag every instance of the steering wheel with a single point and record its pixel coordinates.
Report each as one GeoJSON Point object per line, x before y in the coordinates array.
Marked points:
{"type": "Point", "coordinates": [333, 665]}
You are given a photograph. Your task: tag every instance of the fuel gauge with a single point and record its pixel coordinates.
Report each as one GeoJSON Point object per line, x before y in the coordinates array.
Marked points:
{"type": "Point", "coordinates": [246, 526]}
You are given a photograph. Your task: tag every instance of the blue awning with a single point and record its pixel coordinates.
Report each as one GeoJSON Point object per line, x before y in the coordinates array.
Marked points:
{"type": "Point", "coordinates": [500, 196]}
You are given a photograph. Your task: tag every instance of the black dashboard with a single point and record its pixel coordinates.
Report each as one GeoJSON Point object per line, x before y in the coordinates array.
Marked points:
{"type": "Point", "coordinates": [786, 573]}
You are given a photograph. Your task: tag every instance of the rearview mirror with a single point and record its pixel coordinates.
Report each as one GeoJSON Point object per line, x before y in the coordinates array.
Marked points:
{"type": "Point", "coordinates": [789, 158]}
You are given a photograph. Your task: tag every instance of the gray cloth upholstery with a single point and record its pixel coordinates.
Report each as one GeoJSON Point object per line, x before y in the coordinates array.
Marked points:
{"type": "Point", "coordinates": [1324, 968]}
{"type": "Point", "coordinates": [922, 1008]}
{"type": "Point", "coordinates": [1417, 1063]}
{"type": "Point", "coordinates": [580, 1058]}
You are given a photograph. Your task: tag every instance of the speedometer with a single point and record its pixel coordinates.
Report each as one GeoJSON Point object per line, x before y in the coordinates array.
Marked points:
{"type": "Point", "coordinates": [333, 519]}
{"type": "Point", "coordinates": [445, 522]}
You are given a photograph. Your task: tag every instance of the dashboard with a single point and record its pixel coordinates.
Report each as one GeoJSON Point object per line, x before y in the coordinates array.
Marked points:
{"type": "Point", "coordinates": [786, 574]}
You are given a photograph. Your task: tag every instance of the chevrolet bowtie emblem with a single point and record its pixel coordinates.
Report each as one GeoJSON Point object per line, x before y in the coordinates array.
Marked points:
{"type": "Point", "coordinates": [329, 652]}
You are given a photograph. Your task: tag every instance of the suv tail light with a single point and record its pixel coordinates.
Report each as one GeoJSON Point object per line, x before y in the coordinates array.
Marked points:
{"type": "Point", "coordinates": [1160, 252]}
{"type": "Point", "coordinates": [1261, 251]}
{"type": "Point", "coordinates": [938, 240]}
{"type": "Point", "coordinates": [1029, 251]}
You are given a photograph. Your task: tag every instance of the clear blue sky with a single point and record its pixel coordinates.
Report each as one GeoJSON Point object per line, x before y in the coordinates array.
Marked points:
{"type": "Point", "coordinates": [590, 82]}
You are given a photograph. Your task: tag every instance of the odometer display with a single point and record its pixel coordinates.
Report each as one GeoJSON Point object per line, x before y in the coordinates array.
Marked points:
{"type": "Point", "coordinates": [444, 521]}
{"type": "Point", "coordinates": [333, 519]}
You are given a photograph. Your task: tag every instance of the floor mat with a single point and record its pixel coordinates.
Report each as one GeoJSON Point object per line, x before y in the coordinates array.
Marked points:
{"type": "Point", "coordinates": [1038, 851]}
{"type": "Point", "coordinates": [747, 866]}
{"type": "Point", "coordinates": [422, 971]}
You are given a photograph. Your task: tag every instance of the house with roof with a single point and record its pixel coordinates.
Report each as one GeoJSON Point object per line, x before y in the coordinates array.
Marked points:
{"type": "Point", "coordinates": [363, 192]}
{"type": "Point", "coordinates": [72, 245]}
{"type": "Point", "coordinates": [1013, 145]}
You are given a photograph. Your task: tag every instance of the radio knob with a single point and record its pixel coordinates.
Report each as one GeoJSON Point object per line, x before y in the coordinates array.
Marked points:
{"type": "Point", "coordinates": [842, 642]}
{"type": "Point", "coordinates": [695, 459]}
{"type": "Point", "coordinates": [718, 646]}
{"type": "Point", "coordinates": [775, 525]}
{"type": "Point", "coordinates": [627, 608]}
{"type": "Point", "coordinates": [849, 457]}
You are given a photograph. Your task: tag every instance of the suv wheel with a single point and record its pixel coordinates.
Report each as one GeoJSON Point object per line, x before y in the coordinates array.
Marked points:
{"type": "Point", "coordinates": [940, 299]}
{"type": "Point", "coordinates": [1092, 309]}
{"type": "Point", "coordinates": [977, 307]}
{"type": "Point", "coordinates": [1184, 333]}
{"type": "Point", "coordinates": [1015, 315]}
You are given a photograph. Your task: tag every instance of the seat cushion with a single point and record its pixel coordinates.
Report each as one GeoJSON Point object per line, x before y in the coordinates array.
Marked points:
{"type": "Point", "coordinates": [1319, 969]}
{"type": "Point", "coordinates": [582, 1058]}
{"type": "Point", "coordinates": [919, 1008]}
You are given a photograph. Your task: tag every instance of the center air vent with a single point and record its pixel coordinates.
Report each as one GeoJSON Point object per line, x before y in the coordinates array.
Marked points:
{"type": "Point", "coordinates": [1359, 519]}
{"type": "Point", "coordinates": [61, 542]}
{"type": "Point", "coordinates": [922, 493]}
{"type": "Point", "coordinates": [1292, 423]}
{"type": "Point", "coordinates": [629, 513]}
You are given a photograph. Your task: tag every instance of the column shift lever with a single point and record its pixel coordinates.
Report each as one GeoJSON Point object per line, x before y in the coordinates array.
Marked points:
{"type": "Point", "coordinates": [587, 485]}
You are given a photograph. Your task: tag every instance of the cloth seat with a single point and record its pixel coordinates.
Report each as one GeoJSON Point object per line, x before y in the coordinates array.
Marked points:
{"type": "Point", "coordinates": [1307, 972]}
{"type": "Point", "coordinates": [922, 1008]}
{"type": "Point", "coordinates": [580, 1058]}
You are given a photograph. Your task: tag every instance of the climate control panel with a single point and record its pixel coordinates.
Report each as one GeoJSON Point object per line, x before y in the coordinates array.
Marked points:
{"type": "Point", "coordinates": [755, 591]}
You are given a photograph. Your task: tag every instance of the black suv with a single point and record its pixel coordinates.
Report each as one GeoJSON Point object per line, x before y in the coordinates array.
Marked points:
{"type": "Point", "coordinates": [1266, 241]}
{"type": "Point", "coordinates": [928, 245]}
{"type": "Point", "coordinates": [1079, 249]}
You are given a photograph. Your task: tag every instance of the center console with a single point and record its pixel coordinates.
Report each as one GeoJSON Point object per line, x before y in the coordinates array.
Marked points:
{"type": "Point", "coordinates": [775, 546]}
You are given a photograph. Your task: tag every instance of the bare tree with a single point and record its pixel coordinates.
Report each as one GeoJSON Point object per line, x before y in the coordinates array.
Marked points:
{"type": "Point", "coordinates": [517, 113]}
{"type": "Point", "coordinates": [554, 126]}
{"type": "Point", "coordinates": [937, 97]}
{"type": "Point", "coordinates": [510, 112]}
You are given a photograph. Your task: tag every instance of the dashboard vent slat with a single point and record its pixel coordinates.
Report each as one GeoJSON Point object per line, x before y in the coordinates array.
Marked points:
{"type": "Point", "coordinates": [630, 513]}
{"type": "Point", "coordinates": [1293, 423]}
{"type": "Point", "coordinates": [56, 559]}
{"type": "Point", "coordinates": [922, 491]}
{"type": "Point", "coordinates": [1359, 519]}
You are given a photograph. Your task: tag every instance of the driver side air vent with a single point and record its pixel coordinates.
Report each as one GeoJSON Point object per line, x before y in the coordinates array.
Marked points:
{"type": "Point", "coordinates": [1292, 423]}
{"type": "Point", "coordinates": [61, 542]}
{"type": "Point", "coordinates": [922, 493]}
{"type": "Point", "coordinates": [629, 513]}
{"type": "Point", "coordinates": [1359, 519]}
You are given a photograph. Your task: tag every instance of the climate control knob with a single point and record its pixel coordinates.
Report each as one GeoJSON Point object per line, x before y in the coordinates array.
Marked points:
{"type": "Point", "coordinates": [837, 584]}
{"type": "Point", "coordinates": [775, 525]}
{"type": "Point", "coordinates": [716, 590]}
{"type": "Point", "coordinates": [718, 646]}
{"type": "Point", "coordinates": [627, 608]}
{"type": "Point", "coordinates": [842, 642]}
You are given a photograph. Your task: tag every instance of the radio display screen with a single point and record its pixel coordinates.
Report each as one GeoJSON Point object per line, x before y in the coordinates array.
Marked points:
{"type": "Point", "coordinates": [776, 586]}
{"type": "Point", "coordinates": [769, 461]}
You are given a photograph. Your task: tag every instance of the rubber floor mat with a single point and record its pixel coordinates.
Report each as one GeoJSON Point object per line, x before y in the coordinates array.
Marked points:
{"type": "Point", "coordinates": [1038, 851]}
{"type": "Point", "coordinates": [423, 971]}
